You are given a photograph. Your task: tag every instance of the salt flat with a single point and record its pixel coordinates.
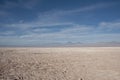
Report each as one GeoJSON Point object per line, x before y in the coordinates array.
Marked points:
{"type": "Point", "coordinates": [65, 63]}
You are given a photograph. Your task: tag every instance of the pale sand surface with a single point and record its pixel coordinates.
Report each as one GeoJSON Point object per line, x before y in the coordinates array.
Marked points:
{"type": "Point", "coordinates": [71, 63]}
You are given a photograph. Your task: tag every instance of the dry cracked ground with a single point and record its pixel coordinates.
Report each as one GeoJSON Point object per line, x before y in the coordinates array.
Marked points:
{"type": "Point", "coordinates": [71, 63]}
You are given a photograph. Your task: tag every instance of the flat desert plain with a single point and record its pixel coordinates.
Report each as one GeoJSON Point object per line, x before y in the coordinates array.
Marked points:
{"type": "Point", "coordinates": [65, 63]}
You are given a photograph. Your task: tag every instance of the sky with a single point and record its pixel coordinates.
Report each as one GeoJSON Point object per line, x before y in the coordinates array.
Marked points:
{"type": "Point", "coordinates": [47, 22]}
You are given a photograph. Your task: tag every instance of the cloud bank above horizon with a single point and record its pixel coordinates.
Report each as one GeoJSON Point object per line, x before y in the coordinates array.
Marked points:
{"type": "Point", "coordinates": [38, 22]}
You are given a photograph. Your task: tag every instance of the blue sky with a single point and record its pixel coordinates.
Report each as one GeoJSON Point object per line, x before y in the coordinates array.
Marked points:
{"type": "Point", "coordinates": [42, 22]}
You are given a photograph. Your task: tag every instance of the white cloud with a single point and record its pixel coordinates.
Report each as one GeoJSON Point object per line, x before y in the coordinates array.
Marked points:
{"type": "Point", "coordinates": [51, 18]}
{"type": "Point", "coordinates": [40, 30]}
{"type": "Point", "coordinates": [110, 25]}
{"type": "Point", "coordinates": [73, 30]}
{"type": "Point", "coordinates": [54, 16]}
{"type": "Point", "coordinates": [76, 28]}
{"type": "Point", "coordinates": [57, 13]}
{"type": "Point", "coordinates": [35, 24]}
{"type": "Point", "coordinates": [76, 33]}
{"type": "Point", "coordinates": [7, 33]}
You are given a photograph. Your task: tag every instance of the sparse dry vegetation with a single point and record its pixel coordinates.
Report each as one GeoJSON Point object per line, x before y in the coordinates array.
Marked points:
{"type": "Point", "coordinates": [93, 63]}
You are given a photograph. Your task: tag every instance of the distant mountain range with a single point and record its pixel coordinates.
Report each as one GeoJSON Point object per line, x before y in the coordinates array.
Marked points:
{"type": "Point", "coordinates": [79, 44]}
{"type": "Point", "coordinates": [71, 44]}
{"type": "Point", "coordinates": [98, 44]}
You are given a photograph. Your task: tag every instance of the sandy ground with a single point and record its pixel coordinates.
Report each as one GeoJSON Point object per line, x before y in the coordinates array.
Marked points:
{"type": "Point", "coordinates": [85, 63]}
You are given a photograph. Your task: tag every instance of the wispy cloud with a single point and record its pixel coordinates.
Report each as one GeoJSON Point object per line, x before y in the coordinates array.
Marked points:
{"type": "Point", "coordinates": [35, 24]}
{"type": "Point", "coordinates": [76, 33]}
{"type": "Point", "coordinates": [7, 33]}
{"type": "Point", "coordinates": [110, 25]}
{"type": "Point", "coordinates": [42, 30]}
{"type": "Point", "coordinates": [53, 17]}
{"type": "Point", "coordinates": [57, 13]}
{"type": "Point", "coordinates": [48, 18]}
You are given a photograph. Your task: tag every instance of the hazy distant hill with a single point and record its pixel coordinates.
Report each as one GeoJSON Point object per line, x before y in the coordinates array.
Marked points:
{"type": "Point", "coordinates": [71, 44]}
